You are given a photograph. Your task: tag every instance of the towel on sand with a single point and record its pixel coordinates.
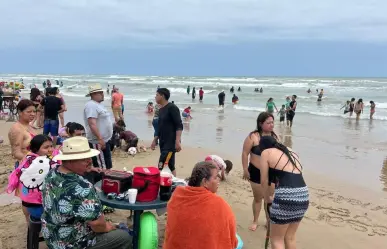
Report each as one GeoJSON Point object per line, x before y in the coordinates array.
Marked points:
{"type": "Point", "coordinates": [198, 218]}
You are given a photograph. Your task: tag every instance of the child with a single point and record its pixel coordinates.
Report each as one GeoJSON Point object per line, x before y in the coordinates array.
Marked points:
{"type": "Point", "coordinates": [282, 112]}
{"type": "Point", "coordinates": [224, 166]}
{"type": "Point", "coordinates": [29, 176]}
{"type": "Point", "coordinates": [346, 107]}
{"type": "Point", "coordinates": [372, 110]}
{"type": "Point", "coordinates": [150, 107]}
{"type": "Point", "coordinates": [187, 113]}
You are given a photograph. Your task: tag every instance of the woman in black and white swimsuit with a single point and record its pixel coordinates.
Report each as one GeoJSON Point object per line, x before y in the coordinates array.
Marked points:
{"type": "Point", "coordinates": [282, 166]}
{"type": "Point", "coordinates": [251, 168]}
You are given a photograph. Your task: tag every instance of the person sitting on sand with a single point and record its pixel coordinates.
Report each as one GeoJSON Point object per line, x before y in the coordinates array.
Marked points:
{"type": "Point", "coordinates": [187, 113]}
{"type": "Point", "coordinates": [71, 204]}
{"type": "Point", "coordinates": [235, 99]}
{"type": "Point", "coordinates": [199, 197]}
{"type": "Point", "coordinates": [224, 166]}
{"type": "Point", "coordinates": [29, 175]}
{"type": "Point", "coordinates": [251, 170]}
{"type": "Point", "coordinates": [372, 109]}
{"type": "Point", "coordinates": [150, 107]}
{"type": "Point", "coordinates": [291, 195]}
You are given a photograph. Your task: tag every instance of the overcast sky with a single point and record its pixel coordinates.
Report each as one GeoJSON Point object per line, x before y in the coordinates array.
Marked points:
{"type": "Point", "coordinates": [195, 37]}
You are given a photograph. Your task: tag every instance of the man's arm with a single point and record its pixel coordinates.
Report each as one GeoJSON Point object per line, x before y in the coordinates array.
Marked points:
{"type": "Point", "coordinates": [175, 114]}
{"type": "Point", "coordinates": [93, 127]}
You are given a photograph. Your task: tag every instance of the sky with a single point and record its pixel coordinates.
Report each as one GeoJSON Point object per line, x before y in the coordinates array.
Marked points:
{"type": "Point", "coordinates": [346, 38]}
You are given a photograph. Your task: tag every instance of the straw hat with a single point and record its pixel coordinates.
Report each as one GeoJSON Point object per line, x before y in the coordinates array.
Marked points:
{"type": "Point", "coordinates": [76, 148]}
{"type": "Point", "coordinates": [94, 89]}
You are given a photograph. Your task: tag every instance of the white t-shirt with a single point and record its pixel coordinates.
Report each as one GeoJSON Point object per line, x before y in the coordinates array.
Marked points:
{"type": "Point", "coordinates": [97, 110]}
{"type": "Point", "coordinates": [217, 160]}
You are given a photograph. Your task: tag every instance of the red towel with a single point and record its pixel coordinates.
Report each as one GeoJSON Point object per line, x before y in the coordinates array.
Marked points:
{"type": "Point", "coordinates": [198, 218]}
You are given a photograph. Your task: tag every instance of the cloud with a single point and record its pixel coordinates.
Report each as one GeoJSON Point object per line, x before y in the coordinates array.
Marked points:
{"type": "Point", "coordinates": [100, 23]}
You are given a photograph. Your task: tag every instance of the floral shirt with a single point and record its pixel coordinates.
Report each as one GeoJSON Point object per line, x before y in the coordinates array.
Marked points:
{"type": "Point", "coordinates": [69, 202]}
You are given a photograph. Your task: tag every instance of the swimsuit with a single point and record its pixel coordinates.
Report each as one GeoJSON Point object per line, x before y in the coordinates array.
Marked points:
{"type": "Point", "coordinates": [291, 196]}
{"type": "Point", "coordinates": [255, 173]}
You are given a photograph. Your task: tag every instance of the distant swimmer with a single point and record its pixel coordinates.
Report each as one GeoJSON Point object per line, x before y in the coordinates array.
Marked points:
{"type": "Point", "coordinates": [187, 113]}
{"type": "Point", "coordinates": [235, 99]}
{"type": "Point", "coordinates": [44, 84]}
{"type": "Point", "coordinates": [150, 107]}
{"type": "Point", "coordinates": [158, 87]}
{"type": "Point", "coordinates": [270, 105]}
{"type": "Point", "coordinates": [261, 90]}
{"type": "Point", "coordinates": [309, 91]}
{"type": "Point", "coordinates": [372, 109]}
{"type": "Point", "coordinates": [320, 95]}
{"type": "Point", "coordinates": [221, 97]}
{"type": "Point", "coordinates": [256, 90]}
{"type": "Point", "coordinates": [193, 93]}
{"type": "Point", "coordinates": [201, 94]}
{"type": "Point", "coordinates": [346, 107]}
{"type": "Point", "coordinates": [61, 84]}
{"type": "Point", "coordinates": [188, 90]}
{"type": "Point", "coordinates": [239, 89]}
{"type": "Point", "coordinates": [232, 89]}
{"type": "Point", "coordinates": [108, 89]}
{"type": "Point", "coordinates": [316, 90]}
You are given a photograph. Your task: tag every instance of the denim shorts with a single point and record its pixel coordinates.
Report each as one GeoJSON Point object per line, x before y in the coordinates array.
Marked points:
{"type": "Point", "coordinates": [51, 127]}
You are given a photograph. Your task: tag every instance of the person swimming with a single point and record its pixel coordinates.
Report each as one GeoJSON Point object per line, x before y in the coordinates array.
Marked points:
{"type": "Point", "coordinates": [235, 99]}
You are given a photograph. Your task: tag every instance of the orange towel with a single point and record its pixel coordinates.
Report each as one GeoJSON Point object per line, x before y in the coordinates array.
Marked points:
{"type": "Point", "coordinates": [198, 218]}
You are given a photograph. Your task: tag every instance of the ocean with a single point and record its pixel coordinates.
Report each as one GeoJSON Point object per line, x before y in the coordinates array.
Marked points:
{"type": "Point", "coordinates": [328, 141]}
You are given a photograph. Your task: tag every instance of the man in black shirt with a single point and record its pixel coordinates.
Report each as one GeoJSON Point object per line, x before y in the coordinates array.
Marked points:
{"type": "Point", "coordinates": [170, 128]}
{"type": "Point", "coordinates": [52, 107]}
{"type": "Point", "coordinates": [221, 97]}
{"type": "Point", "coordinates": [291, 111]}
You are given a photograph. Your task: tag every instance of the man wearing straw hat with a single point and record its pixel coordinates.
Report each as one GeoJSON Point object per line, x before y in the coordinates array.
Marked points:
{"type": "Point", "coordinates": [73, 216]}
{"type": "Point", "coordinates": [99, 129]}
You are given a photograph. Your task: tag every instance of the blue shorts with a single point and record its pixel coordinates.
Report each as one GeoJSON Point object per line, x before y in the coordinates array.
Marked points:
{"type": "Point", "coordinates": [51, 127]}
{"type": "Point", "coordinates": [184, 114]}
{"type": "Point", "coordinates": [35, 212]}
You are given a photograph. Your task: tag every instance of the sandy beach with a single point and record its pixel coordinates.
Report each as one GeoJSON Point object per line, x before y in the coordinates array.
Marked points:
{"type": "Point", "coordinates": [341, 215]}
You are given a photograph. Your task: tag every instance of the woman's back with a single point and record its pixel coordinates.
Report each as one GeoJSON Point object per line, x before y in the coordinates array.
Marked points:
{"type": "Point", "coordinates": [280, 161]}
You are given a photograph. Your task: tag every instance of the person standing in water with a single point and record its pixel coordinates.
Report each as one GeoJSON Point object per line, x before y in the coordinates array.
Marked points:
{"type": "Point", "coordinates": [221, 97]}
{"type": "Point", "coordinates": [193, 93]}
{"type": "Point", "coordinates": [251, 169]}
{"type": "Point", "coordinates": [239, 89]}
{"type": "Point", "coordinates": [270, 105]}
{"type": "Point", "coordinates": [346, 107]}
{"type": "Point", "coordinates": [320, 95]}
{"type": "Point", "coordinates": [282, 113]}
{"type": "Point", "coordinates": [235, 99]}
{"type": "Point", "coordinates": [372, 109]}
{"type": "Point", "coordinates": [291, 111]}
{"type": "Point", "coordinates": [108, 89]}
{"type": "Point", "coordinates": [358, 109]}
{"type": "Point", "coordinates": [201, 94]}
{"type": "Point", "coordinates": [188, 90]}
{"type": "Point", "coordinates": [351, 107]}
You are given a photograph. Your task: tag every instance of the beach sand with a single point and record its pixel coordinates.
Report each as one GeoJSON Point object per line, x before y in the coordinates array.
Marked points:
{"type": "Point", "coordinates": [340, 215]}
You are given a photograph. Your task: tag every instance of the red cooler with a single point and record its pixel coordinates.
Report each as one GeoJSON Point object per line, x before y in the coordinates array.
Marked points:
{"type": "Point", "coordinates": [147, 181]}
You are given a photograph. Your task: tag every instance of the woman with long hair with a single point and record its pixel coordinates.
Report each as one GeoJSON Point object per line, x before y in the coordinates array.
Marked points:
{"type": "Point", "coordinates": [251, 168]}
{"type": "Point", "coordinates": [282, 166]}
{"type": "Point", "coordinates": [270, 105]}
{"type": "Point", "coordinates": [61, 114]}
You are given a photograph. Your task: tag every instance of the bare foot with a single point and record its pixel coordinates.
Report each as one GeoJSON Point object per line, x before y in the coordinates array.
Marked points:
{"type": "Point", "coordinates": [253, 227]}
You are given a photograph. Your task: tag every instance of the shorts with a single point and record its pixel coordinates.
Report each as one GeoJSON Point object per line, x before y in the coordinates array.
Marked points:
{"type": "Point", "coordinates": [184, 115]}
{"type": "Point", "coordinates": [117, 112]}
{"type": "Point", "coordinates": [221, 103]}
{"type": "Point", "coordinates": [282, 118]}
{"type": "Point", "coordinates": [255, 175]}
{"type": "Point", "coordinates": [290, 115]}
{"type": "Point", "coordinates": [34, 210]}
{"type": "Point", "coordinates": [200, 97]}
{"type": "Point", "coordinates": [163, 158]}
{"type": "Point", "coordinates": [51, 127]}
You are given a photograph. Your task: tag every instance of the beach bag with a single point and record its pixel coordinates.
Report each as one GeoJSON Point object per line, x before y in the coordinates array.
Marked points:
{"type": "Point", "coordinates": [147, 181]}
{"type": "Point", "coordinates": [115, 181]}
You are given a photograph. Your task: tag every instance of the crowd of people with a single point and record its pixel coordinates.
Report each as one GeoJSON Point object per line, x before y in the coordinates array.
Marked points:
{"type": "Point", "coordinates": [54, 175]}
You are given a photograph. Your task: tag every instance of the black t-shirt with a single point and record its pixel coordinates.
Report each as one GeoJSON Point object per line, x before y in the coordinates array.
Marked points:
{"type": "Point", "coordinates": [221, 96]}
{"type": "Point", "coordinates": [291, 104]}
{"type": "Point", "coordinates": [169, 123]}
{"type": "Point", "coordinates": [51, 105]}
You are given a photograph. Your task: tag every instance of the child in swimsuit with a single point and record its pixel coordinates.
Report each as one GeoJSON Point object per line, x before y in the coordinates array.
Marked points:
{"type": "Point", "coordinates": [282, 113]}
{"type": "Point", "coordinates": [372, 109]}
